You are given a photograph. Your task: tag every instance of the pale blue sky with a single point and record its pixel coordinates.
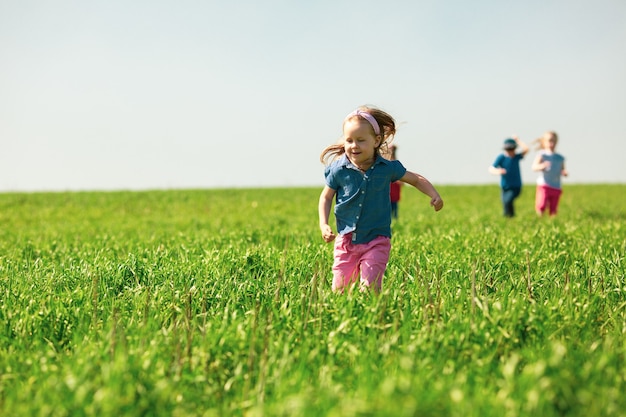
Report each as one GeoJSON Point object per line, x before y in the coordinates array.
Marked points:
{"type": "Point", "coordinates": [201, 94]}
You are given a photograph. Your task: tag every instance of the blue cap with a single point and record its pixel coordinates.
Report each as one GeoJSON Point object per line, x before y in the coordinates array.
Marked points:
{"type": "Point", "coordinates": [510, 144]}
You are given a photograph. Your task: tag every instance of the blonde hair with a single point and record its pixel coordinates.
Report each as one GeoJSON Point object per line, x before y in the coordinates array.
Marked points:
{"type": "Point", "coordinates": [387, 131]}
{"type": "Point", "coordinates": [542, 142]}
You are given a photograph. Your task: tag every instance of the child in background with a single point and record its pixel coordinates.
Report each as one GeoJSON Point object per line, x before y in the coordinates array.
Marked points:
{"type": "Point", "coordinates": [395, 187]}
{"type": "Point", "coordinates": [358, 180]}
{"type": "Point", "coordinates": [551, 166]}
{"type": "Point", "coordinates": [507, 166]}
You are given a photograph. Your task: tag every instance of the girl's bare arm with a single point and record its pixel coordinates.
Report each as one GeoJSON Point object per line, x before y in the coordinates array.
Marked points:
{"type": "Point", "coordinates": [423, 185]}
{"type": "Point", "coordinates": [325, 203]}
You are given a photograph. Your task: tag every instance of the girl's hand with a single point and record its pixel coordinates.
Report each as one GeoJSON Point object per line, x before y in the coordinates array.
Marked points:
{"type": "Point", "coordinates": [327, 233]}
{"type": "Point", "coordinates": [437, 203]}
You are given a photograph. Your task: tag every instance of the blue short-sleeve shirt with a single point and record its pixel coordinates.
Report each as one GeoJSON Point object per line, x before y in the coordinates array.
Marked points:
{"type": "Point", "coordinates": [513, 176]}
{"type": "Point", "coordinates": [551, 176]}
{"type": "Point", "coordinates": [362, 203]}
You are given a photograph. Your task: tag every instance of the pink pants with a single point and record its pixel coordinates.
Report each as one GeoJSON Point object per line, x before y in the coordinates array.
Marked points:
{"type": "Point", "coordinates": [369, 259]}
{"type": "Point", "coordinates": [547, 197]}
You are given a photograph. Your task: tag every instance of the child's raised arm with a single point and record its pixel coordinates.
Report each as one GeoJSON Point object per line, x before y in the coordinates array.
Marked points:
{"type": "Point", "coordinates": [522, 145]}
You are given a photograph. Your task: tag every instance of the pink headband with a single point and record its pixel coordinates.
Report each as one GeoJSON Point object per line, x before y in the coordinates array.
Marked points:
{"type": "Point", "coordinates": [367, 117]}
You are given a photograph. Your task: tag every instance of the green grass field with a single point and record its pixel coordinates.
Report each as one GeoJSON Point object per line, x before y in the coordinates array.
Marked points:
{"type": "Point", "coordinates": [218, 302]}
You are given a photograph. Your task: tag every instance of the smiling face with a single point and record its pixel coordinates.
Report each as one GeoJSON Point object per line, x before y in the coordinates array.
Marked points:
{"type": "Point", "coordinates": [360, 142]}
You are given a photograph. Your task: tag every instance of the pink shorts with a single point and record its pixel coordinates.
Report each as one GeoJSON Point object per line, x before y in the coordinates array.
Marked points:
{"type": "Point", "coordinates": [367, 259]}
{"type": "Point", "coordinates": [547, 197]}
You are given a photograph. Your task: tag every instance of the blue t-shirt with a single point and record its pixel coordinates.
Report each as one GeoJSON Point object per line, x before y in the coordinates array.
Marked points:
{"type": "Point", "coordinates": [362, 204]}
{"type": "Point", "coordinates": [552, 175]}
{"type": "Point", "coordinates": [513, 177]}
